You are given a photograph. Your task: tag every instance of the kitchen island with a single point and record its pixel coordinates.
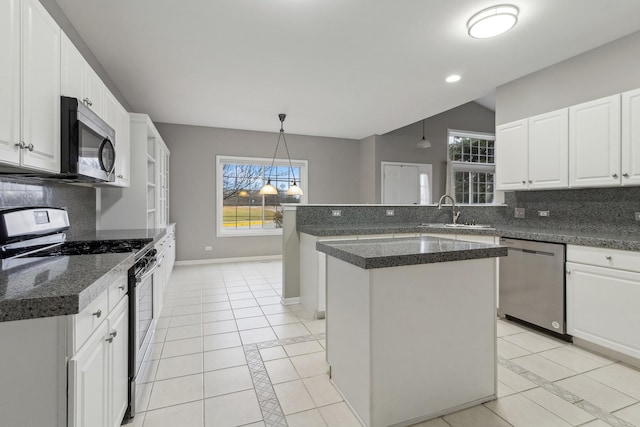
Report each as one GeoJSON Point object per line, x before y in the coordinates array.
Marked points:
{"type": "Point", "coordinates": [411, 326]}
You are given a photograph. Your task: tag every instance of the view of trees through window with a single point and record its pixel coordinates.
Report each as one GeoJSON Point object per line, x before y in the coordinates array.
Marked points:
{"type": "Point", "coordinates": [243, 207]}
{"type": "Point", "coordinates": [472, 161]}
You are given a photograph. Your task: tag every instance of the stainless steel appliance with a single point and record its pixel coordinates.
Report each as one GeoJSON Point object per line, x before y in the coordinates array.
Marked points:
{"type": "Point", "coordinates": [88, 151]}
{"type": "Point", "coordinates": [532, 287]}
{"type": "Point", "coordinates": [141, 319]}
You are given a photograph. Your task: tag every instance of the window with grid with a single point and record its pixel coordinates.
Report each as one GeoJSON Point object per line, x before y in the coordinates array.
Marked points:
{"type": "Point", "coordinates": [471, 167]}
{"type": "Point", "coordinates": [242, 210]}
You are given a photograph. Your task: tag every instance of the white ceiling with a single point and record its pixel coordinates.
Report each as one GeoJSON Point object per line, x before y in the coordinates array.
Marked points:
{"type": "Point", "coordinates": [341, 68]}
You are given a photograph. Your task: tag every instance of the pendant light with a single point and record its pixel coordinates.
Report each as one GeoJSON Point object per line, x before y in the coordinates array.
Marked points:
{"type": "Point", "coordinates": [268, 188]}
{"type": "Point", "coordinates": [424, 142]}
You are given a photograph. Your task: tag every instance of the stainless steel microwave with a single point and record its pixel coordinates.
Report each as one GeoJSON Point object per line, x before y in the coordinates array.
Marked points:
{"type": "Point", "coordinates": [88, 144]}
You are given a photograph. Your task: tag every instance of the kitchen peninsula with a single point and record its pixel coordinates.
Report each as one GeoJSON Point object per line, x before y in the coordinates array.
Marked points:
{"type": "Point", "coordinates": [411, 326]}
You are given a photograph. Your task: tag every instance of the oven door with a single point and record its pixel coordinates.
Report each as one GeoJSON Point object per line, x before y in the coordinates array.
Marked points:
{"type": "Point", "coordinates": [141, 327]}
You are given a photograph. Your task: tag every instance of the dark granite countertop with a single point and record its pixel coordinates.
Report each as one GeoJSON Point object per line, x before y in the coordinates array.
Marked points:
{"type": "Point", "coordinates": [57, 286]}
{"type": "Point", "coordinates": [623, 239]}
{"type": "Point", "coordinates": [382, 253]}
{"type": "Point", "coordinates": [47, 286]}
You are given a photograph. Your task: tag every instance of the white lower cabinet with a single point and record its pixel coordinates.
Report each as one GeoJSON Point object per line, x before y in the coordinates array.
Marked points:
{"type": "Point", "coordinates": [98, 374]}
{"type": "Point", "coordinates": [603, 297]}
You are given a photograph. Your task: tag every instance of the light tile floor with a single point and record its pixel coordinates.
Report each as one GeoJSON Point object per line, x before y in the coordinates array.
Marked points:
{"type": "Point", "coordinates": [227, 353]}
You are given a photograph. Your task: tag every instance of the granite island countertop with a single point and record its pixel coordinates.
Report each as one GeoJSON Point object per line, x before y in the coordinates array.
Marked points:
{"type": "Point", "coordinates": [625, 240]}
{"type": "Point", "coordinates": [383, 253]}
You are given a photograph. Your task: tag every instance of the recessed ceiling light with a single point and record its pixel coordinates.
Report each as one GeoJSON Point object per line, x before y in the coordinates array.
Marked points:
{"type": "Point", "coordinates": [492, 21]}
{"type": "Point", "coordinates": [452, 78]}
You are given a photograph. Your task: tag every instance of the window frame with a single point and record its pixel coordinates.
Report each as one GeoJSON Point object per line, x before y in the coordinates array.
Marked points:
{"type": "Point", "coordinates": [454, 166]}
{"type": "Point", "coordinates": [225, 159]}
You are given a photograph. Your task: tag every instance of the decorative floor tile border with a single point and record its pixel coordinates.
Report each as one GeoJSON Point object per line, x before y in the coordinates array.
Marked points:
{"type": "Point", "coordinates": [565, 394]}
{"type": "Point", "coordinates": [271, 410]}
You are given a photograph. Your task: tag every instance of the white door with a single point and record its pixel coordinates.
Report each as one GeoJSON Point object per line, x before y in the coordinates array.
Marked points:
{"type": "Point", "coordinates": [118, 356]}
{"type": "Point", "coordinates": [10, 82]}
{"type": "Point", "coordinates": [40, 88]}
{"type": "Point", "coordinates": [88, 382]}
{"type": "Point", "coordinates": [602, 307]}
{"type": "Point", "coordinates": [549, 150]}
{"type": "Point", "coordinates": [631, 138]}
{"type": "Point", "coordinates": [594, 143]}
{"type": "Point", "coordinates": [401, 184]}
{"type": "Point", "coordinates": [511, 156]}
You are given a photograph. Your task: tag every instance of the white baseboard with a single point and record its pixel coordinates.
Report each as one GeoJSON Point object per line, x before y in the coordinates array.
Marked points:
{"type": "Point", "coordinates": [223, 260]}
{"type": "Point", "coordinates": [290, 301]}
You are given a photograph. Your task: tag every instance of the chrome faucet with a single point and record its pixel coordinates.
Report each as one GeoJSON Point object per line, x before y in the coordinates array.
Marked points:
{"type": "Point", "coordinates": [455, 214]}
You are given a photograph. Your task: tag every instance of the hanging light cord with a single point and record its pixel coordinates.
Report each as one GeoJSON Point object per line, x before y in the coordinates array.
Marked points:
{"type": "Point", "coordinates": [281, 134]}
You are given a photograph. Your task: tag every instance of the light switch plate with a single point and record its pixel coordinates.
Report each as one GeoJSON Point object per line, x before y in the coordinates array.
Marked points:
{"type": "Point", "coordinates": [390, 212]}
{"type": "Point", "coordinates": [637, 216]}
{"type": "Point", "coordinates": [519, 213]}
{"type": "Point", "coordinates": [336, 212]}
{"type": "Point", "coordinates": [543, 213]}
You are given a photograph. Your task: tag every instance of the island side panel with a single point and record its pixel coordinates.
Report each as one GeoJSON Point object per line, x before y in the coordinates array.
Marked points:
{"type": "Point", "coordinates": [309, 272]}
{"type": "Point", "coordinates": [433, 339]}
{"type": "Point", "coordinates": [348, 334]}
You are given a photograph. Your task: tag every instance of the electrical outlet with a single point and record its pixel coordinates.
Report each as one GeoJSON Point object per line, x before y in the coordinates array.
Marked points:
{"type": "Point", "coordinates": [543, 213]}
{"type": "Point", "coordinates": [519, 213]}
{"type": "Point", "coordinates": [208, 248]}
{"type": "Point", "coordinates": [336, 212]}
{"type": "Point", "coordinates": [637, 216]}
{"type": "Point", "coordinates": [390, 212]}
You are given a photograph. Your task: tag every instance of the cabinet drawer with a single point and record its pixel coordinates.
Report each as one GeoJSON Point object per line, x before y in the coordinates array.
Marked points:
{"type": "Point", "coordinates": [117, 290]}
{"type": "Point", "coordinates": [601, 257]}
{"type": "Point", "coordinates": [85, 322]}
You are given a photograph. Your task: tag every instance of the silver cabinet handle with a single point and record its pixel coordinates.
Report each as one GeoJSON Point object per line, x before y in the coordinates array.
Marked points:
{"type": "Point", "coordinates": [626, 175]}
{"type": "Point", "coordinates": [87, 101]}
{"type": "Point", "coordinates": [20, 145]}
{"type": "Point", "coordinates": [111, 336]}
{"type": "Point", "coordinates": [615, 175]}
{"type": "Point", "coordinates": [568, 272]}
{"type": "Point", "coordinates": [120, 176]}
{"type": "Point", "coordinates": [98, 313]}
{"type": "Point", "coordinates": [114, 333]}
{"type": "Point", "coordinates": [121, 287]}
{"type": "Point", "coordinates": [524, 182]}
{"type": "Point", "coordinates": [29, 147]}
{"type": "Point", "coordinates": [608, 257]}
{"type": "Point", "coordinates": [530, 182]}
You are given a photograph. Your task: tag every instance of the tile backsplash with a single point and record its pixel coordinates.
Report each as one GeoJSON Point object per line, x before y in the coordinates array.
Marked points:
{"type": "Point", "coordinates": [79, 201]}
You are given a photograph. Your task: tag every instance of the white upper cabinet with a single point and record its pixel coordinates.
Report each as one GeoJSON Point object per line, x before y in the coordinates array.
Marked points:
{"type": "Point", "coordinates": [40, 88]}
{"type": "Point", "coordinates": [118, 118]}
{"type": "Point", "coordinates": [549, 150]}
{"type": "Point", "coordinates": [630, 147]}
{"type": "Point", "coordinates": [511, 156]}
{"type": "Point", "coordinates": [79, 80]}
{"type": "Point", "coordinates": [594, 143]}
{"type": "Point", "coordinates": [10, 82]}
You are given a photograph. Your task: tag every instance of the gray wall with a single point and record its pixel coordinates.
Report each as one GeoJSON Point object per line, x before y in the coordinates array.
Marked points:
{"type": "Point", "coordinates": [367, 177]}
{"type": "Point", "coordinates": [79, 201]}
{"type": "Point", "coordinates": [607, 70]}
{"type": "Point", "coordinates": [333, 178]}
{"type": "Point", "coordinates": [58, 15]}
{"type": "Point", "coordinates": [400, 145]}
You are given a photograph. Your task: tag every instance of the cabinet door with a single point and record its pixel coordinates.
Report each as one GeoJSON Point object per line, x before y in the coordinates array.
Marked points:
{"type": "Point", "coordinates": [40, 88]}
{"type": "Point", "coordinates": [10, 82]}
{"type": "Point", "coordinates": [602, 307]}
{"type": "Point", "coordinates": [88, 382]}
{"type": "Point", "coordinates": [72, 69]}
{"type": "Point", "coordinates": [631, 138]}
{"type": "Point", "coordinates": [93, 91]}
{"type": "Point", "coordinates": [594, 143]}
{"type": "Point", "coordinates": [118, 357]}
{"type": "Point", "coordinates": [549, 150]}
{"type": "Point", "coordinates": [511, 156]}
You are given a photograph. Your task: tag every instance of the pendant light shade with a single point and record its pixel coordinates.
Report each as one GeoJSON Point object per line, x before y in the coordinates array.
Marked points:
{"type": "Point", "coordinates": [424, 142]}
{"type": "Point", "coordinates": [268, 188]}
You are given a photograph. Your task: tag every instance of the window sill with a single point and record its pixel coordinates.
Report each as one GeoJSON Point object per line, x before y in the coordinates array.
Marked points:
{"type": "Point", "coordinates": [260, 233]}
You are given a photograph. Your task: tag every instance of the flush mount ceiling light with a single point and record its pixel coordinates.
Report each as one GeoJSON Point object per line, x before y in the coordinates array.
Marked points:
{"type": "Point", "coordinates": [452, 78]}
{"type": "Point", "coordinates": [424, 142]}
{"type": "Point", "coordinates": [268, 188]}
{"type": "Point", "coordinates": [492, 21]}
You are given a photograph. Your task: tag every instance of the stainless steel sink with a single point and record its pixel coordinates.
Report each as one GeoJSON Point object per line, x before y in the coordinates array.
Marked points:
{"type": "Point", "coordinates": [460, 226]}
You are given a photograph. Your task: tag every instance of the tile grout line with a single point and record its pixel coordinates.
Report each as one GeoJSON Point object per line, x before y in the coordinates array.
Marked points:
{"type": "Point", "coordinates": [565, 395]}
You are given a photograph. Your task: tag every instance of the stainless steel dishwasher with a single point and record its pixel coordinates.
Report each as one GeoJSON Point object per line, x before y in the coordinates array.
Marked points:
{"type": "Point", "coordinates": [532, 286]}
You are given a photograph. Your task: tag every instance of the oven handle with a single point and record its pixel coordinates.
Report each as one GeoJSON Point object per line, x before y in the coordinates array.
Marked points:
{"type": "Point", "coordinates": [149, 272]}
